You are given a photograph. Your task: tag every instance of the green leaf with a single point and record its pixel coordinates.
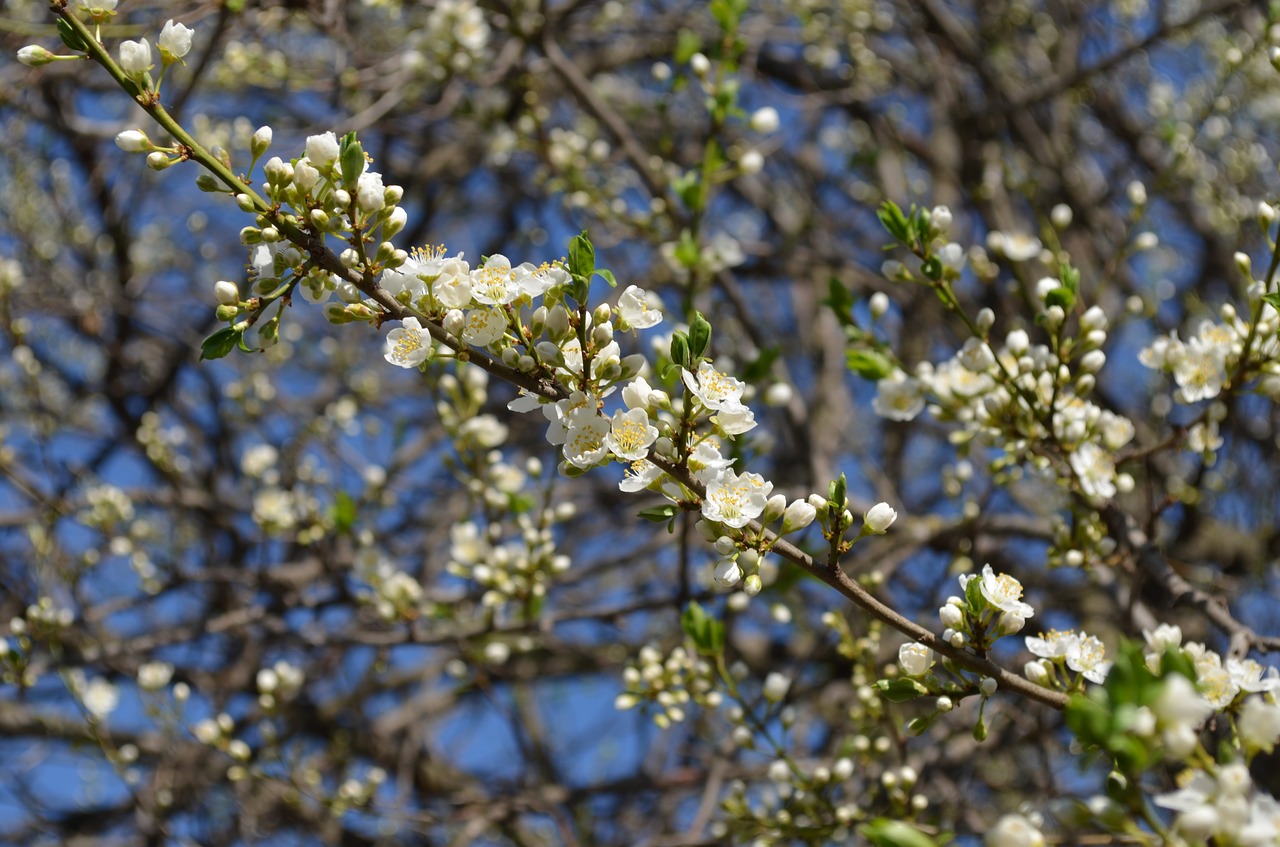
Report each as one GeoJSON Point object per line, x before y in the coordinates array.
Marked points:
{"type": "Point", "coordinates": [894, 222]}
{"type": "Point", "coordinates": [351, 160]}
{"type": "Point", "coordinates": [689, 190]}
{"type": "Point", "coordinates": [706, 633]}
{"type": "Point", "coordinates": [699, 336]}
{"type": "Point", "coordinates": [687, 43]}
{"type": "Point", "coordinates": [869, 364]}
{"type": "Point", "coordinates": [687, 252]}
{"type": "Point", "coordinates": [885, 832]}
{"type": "Point", "coordinates": [659, 514]}
{"type": "Point", "coordinates": [974, 597]}
{"type": "Point", "coordinates": [837, 490]}
{"type": "Point", "coordinates": [220, 343]}
{"type": "Point", "coordinates": [1061, 296]}
{"type": "Point", "coordinates": [680, 349]}
{"type": "Point", "coordinates": [901, 689]}
{"type": "Point", "coordinates": [69, 36]}
{"type": "Point", "coordinates": [840, 300]}
{"type": "Point", "coordinates": [607, 276]}
{"type": "Point", "coordinates": [1272, 297]}
{"type": "Point", "coordinates": [758, 368]}
{"type": "Point", "coordinates": [343, 513]}
{"type": "Point", "coordinates": [582, 256]}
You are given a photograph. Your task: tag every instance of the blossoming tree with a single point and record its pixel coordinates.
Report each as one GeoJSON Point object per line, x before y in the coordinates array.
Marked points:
{"type": "Point", "coordinates": [905, 478]}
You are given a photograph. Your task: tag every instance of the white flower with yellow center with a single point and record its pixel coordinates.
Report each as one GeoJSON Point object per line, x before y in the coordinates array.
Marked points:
{"type": "Point", "coordinates": [1054, 644]}
{"type": "Point", "coordinates": [714, 389]}
{"type": "Point", "coordinates": [898, 397]}
{"type": "Point", "coordinates": [484, 326]}
{"type": "Point", "coordinates": [736, 500]}
{"type": "Point", "coordinates": [637, 309]}
{"type": "Point", "coordinates": [1088, 656]}
{"type": "Point", "coordinates": [639, 475]}
{"type": "Point", "coordinates": [408, 345]}
{"type": "Point", "coordinates": [496, 283]}
{"type": "Point", "coordinates": [453, 286]}
{"type": "Point", "coordinates": [630, 434]}
{"type": "Point", "coordinates": [1004, 592]}
{"type": "Point", "coordinates": [584, 443]}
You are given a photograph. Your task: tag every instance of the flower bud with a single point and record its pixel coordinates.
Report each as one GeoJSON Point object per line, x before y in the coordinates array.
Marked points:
{"type": "Point", "coordinates": [764, 120]}
{"type": "Point", "coordinates": [751, 162]}
{"type": "Point", "coordinates": [727, 572]}
{"type": "Point", "coordinates": [775, 687]}
{"type": "Point", "coordinates": [260, 142]}
{"type": "Point", "coordinates": [752, 585]}
{"type": "Point", "coordinates": [454, 322]}
{"type": "Point", "coordinates": [1010, 622]}
{"type": "Point", "coordinates": [174, 42]}
{"type": "Point", "coordinates": [158, 161]}
{"type": "Point", "coordinates": [773, 508]}
{"type": "Point", "coordinates": [227, 293]}
{"type": "Point", "coordinates": [797, 516]}
{"type": "Point", "coordinates": [951, 616]}
{"type": "Point", "coordinates": [878, 304]}
{"type": "Point", "coordinates": [33, 56]}
{"type": "Point", "coordinates": [135, 57]}
{"type": "Point", "coordinates": [879, 518]}
{"type": "Point", "coordinates": [699, 64]}
{"type": "Point", "coordinates": [134, 141]}
{"type": "Point", "coordinates": [988, 686]}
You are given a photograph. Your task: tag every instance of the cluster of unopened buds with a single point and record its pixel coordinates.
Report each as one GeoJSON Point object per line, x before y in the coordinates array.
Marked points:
{"type": "Point", "coordinates": [670, 683]}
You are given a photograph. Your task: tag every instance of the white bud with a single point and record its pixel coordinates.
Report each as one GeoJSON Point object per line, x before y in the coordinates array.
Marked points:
{"type": "Point", "coordinates": [951, 616]}
{"type": "Point", "coordinates": [988, 686]}
{"type": "Point", "coordinates": [764, 120]}
{"type": "Point", "coordinates": [226, 293]}
{"type": "Point", "coordinates": [1137, 193]}
{"type": "Point", "coordinates": [700, 64]}
{"type": "Point", "coordinates": [135, 57]}
{"type": "Point", "coordinates": [133, 141]}
{"type": "Point", "coordinates": [878, 304]}
{"type": "Point", "coordinates": [752, 162]}
{"type": "Point", "coordinates": [1061, 216]}
{"type": "Point", "coordinates": [775, 687]}
{"type": "Point", "coordinates": [879, 518]}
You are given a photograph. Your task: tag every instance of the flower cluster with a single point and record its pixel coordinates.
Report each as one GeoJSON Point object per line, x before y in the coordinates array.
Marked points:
{"type": "Point", "coordinates": [670, 683]}
{"type": "Point", "coordinates": [1224, 806]}
{"type": "Point", "coordinates": [1082, 653]}
{"type": "Point", "coordinates": [1000, 395]}
{"type": "Point", "coordinates": [1206, 362]}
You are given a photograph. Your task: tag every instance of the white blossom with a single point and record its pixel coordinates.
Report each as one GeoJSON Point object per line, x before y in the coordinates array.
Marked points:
{"type": "Point", "coordinates": [408, 345]}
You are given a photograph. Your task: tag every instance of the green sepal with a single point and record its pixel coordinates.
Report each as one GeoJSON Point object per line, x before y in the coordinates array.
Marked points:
{"type": "Point", "coordinates": [221, 342]}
